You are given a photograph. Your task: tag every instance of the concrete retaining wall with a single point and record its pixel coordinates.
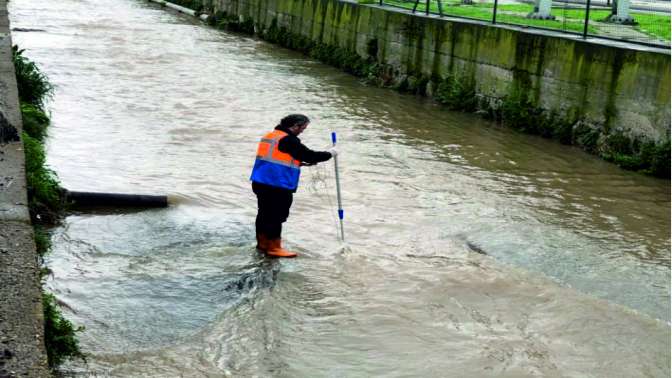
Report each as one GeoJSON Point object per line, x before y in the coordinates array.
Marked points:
{"type": "Point", "coordinates": [610, 85]}
{"type": "Point", "coordinates": [22, 352]}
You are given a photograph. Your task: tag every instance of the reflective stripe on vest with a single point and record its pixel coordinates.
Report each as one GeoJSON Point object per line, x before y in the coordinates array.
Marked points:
{"type": "Point", "coordinates": [268, 150]}
{"type": "Point", "coordinates": [274, 167]}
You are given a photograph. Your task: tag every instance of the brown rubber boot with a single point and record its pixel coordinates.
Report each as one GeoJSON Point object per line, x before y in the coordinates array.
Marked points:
{"type": "Point", "coordinates": [262, 242]}
{"type": "Point", "coordinates": [275, 249]}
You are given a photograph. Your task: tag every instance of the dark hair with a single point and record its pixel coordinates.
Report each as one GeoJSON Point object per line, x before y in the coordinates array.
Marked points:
{"type": "Point", "coordinates": [293, 120]}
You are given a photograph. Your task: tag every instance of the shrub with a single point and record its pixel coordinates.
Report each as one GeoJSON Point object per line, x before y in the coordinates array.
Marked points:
{"type": "Point", "coordinates": [457, 94]}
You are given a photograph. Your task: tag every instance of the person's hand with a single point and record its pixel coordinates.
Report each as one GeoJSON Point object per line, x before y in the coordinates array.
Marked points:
{"type": "Point", "coordinates": [333, 151]}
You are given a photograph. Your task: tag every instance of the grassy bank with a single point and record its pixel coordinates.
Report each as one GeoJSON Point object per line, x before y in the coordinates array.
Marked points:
{"type": "Point", "coordinates": [45, 199]}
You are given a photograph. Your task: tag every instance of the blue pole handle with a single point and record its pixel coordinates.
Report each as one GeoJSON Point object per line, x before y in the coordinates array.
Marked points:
{"type": "Point", "coordinates": [338, 187]}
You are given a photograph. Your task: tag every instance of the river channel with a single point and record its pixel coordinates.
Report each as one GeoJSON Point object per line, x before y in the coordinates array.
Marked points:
{"type": "Point", "coordinates": [471, 250]}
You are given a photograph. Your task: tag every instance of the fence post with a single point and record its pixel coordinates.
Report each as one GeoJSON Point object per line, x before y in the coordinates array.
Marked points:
{"type": "Point", "coordinates": [585, 26]}
{"type": "Point", "coordinates": [381, 3]}
{"type": "Point", "coordinates": [494, 13]}
{"type": "Point", "coordinates": [427, 8]}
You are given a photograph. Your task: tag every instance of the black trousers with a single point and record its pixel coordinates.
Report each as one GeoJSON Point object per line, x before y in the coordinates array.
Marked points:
{"type": "Point", "coordinates": [273, 204]}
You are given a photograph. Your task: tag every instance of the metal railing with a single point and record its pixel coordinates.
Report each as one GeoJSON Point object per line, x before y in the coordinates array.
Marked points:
{"type": "Point", "coordinates": [644, 22]}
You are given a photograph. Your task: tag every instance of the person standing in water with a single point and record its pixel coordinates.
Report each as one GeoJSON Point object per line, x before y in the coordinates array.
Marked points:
{"type": "Point", "coordinates": [275, 178]}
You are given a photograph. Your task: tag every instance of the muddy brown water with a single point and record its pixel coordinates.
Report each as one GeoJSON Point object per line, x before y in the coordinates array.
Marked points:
{"type": "Point", "coordinates": [471, 250]}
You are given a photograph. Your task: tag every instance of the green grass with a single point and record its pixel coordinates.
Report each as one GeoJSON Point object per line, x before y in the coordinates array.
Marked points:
{"type": "Point", "coordinates": [654, 25]}
{"type": "Point", "coordinates": [42, 241]}
{"type": "Point", "coordinates": [59, 334]}
{"type": "Point", "coordinates": [568, 24]}
{"type": "Point", "coordinates": [505, 14]}
{"type": "Point", "coordinates": [451, 9]}
{"type": "Point", "coordinates": [35, 121]}
{"type": "Point", "coordinates": [34, 87]}
{"type": "Point", "coordinates": [44, 191]}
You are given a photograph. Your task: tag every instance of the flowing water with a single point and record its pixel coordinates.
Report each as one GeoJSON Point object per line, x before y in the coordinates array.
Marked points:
{"type": "Point", "coordinates": [471, 250]}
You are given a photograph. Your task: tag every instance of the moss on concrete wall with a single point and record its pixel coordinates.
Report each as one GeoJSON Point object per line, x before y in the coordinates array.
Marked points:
{"type": "Point", "coordinates": [614, 102]}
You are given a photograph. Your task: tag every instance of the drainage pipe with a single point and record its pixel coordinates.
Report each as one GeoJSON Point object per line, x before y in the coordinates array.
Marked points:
{"type": "Point", "coordinates": [89, 199]}
{"type": "Point", "coordinates": [176, 7]}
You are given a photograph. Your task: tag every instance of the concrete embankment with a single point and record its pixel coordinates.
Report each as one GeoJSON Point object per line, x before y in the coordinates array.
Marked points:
{"type": "Point", "coordinates": [22, 352]}
{"type": "Point", "coordinates": [608, 97]}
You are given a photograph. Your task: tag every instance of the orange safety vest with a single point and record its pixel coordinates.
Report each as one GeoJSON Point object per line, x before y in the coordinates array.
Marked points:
{"type": "Point", "coordinates": [274, 167]}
